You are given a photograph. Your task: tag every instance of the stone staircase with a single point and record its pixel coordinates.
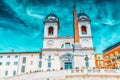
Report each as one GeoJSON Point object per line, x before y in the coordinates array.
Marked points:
{"type": "Point", "coordinates": [74, 74]}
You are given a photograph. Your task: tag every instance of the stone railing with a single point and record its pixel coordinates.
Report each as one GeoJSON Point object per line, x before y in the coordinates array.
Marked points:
{"type": "Point", "coordinates": [95, 71]}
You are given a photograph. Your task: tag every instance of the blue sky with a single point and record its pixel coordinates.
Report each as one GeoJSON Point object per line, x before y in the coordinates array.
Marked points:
{"type": "Point", "coordinates": [21, 22]}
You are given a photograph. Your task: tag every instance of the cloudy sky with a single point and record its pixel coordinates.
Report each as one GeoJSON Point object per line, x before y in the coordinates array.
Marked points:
{"type": "Point", "coordinates": [21, 22]}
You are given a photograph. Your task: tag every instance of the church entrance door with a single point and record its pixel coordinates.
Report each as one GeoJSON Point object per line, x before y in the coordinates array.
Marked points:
{"type": "Point", "coordinates": [68, 65]}
{"type": "Point", "coordinates": [67, 61]}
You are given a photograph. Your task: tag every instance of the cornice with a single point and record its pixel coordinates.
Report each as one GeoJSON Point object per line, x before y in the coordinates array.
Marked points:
{"type": "Point", "coordinates": [56, 49]}
{"type": "Point", "coordinates": [66, 37]}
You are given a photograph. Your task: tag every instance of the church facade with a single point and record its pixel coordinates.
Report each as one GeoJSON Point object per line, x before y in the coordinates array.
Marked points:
{"type": "Point", "coordinates": [58, 52]}
{"type": "Point", "coordinates": [67, 52]}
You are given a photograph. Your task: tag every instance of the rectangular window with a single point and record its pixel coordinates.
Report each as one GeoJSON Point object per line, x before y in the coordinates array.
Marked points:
{"type": "Point", "coordinates": [14, 72]}
{"type": "Point", "coordinates": [0, 63]}
{"type": "Point", "coordinates": [114, 55]}
{"type": "Point", "coordinates": [87, 64]}
{"type": "Point", "coordinates": [49, 65]}
{"type": "Point", "coordinates": [16, 56]}
{"type": "Point", "coordinates": [15, 63]}
{"type": "Point", "coordinates": [6, 72]}
{"type": "Point", "coordinates": [108, 57]}
{"type": "Point", "coordinates": [8, 56]}
{"type": "Point", "coordinates": [40, 64]}
{"type": "Point", "coordinates": [118, 57]}
{"type": "Point", "coordinates": [31, 62]}
{"type": "Point", "coordinates": [24, 60]}
{"type": "Point", "coordinates": [119, 52]}
{"type": "Point", "coordinates": [40, 56]}
{"type": "Point", "coordinates": [98, 57]}
{"type": "Point", "coordinates": [7, 63]}
{"type": "Point", "coordinates": [1, 56]}
{"type": "Point", "coordinates": [23, 69]}
{"type": "Point", "coordinates": [99, 63]}
{"type": "Point", "coordinates": [68, 65]}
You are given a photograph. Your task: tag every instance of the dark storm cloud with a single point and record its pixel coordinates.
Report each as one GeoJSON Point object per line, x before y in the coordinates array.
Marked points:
{"type": "Point", "coordinates": [25, 18]}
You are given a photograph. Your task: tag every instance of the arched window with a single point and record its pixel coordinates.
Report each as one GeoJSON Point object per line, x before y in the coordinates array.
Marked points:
{"type": "Point", "coordinates": [50, 31]}
{"type": "Point", "coordinates": [84, 30]}
{"type": "Point", "coordinates": [67, 45]}
{"type": "Point", "coordinates": [62, 46]}
{"type": "Point", "coordinates": [49, 57]}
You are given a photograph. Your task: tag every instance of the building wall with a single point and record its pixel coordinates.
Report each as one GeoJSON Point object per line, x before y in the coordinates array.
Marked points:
{"type": "Point", "coordinates": [112, 57]}
{"type": "Point", "coordinates": [56, 49]}
{"type": "Point", "coordinates": [79, 59]}
{"type": "Point", "coordinates": [54, 25]}
{"type": "Point", "coordinates": [55, 61]}
{"type": "Point", "coordinates": [52, 45]}
{"type": "Point", "coordinates": [31, 63]}
{"type": "Point", "coordinates": [34, 57]}
{"type": "Point", "coordinates": [10, 67]}
{"type": "Point", "coordinates": [99, 61]}
{"type": "Point", "coordinates": [56, 42]}
{"type": "Point", "coordinates": [86, 39]}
